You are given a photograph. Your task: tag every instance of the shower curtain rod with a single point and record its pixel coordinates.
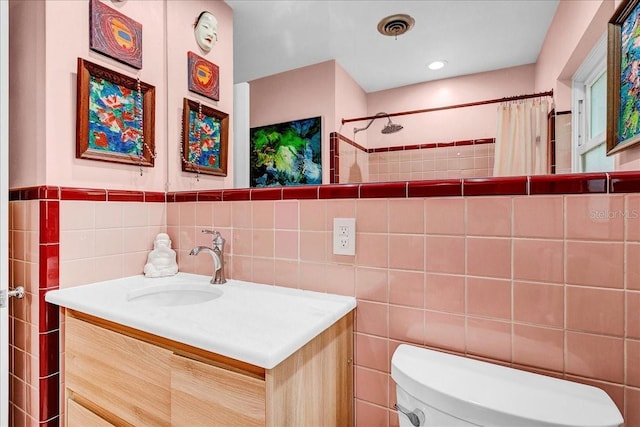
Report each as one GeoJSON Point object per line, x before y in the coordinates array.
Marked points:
{"type": "Point", "coordinates": [450, 107]}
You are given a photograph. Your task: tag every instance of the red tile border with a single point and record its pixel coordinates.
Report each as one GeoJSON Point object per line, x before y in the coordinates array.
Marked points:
{"type": "Point", "coordinates": [463, 143]}
{"type": "Point", "coordinates": [242, 194]}
{"type": "Point", "coordinates": [429, 145]}
{"type": "Point", "coordinates": [154, 197]}
{"type": "Point", "coordinates": [49, 269]}
{"type": "Point", "coordinates": [300, 192]}
{"type": "Point", "coordinates": [125, 196]}
{"type": "Point", "coordinates": [210, 196]}
{"type": "Point", "coordinates": [49, 397]}
{"type": "Point", "coordinates": [186, 196]}
{"type": "Point", "coordinates": [435, 188]}
{"type": "Point", "coordinates": [624, 182]}
{"type": "Point", "coordinates": [494, 186]}
{"type": "Point", "coordinates": [49, 314]}
{"type": "Point", "coordinates": [49, 220]}
{"type": "Point", "coordinates": [96, 195]}
{"type": "Point", "coordinates": [614, 182]}
{"type": "Point", "coordinates": [380, 190]}
{"type": "Point", "coordinates": [338, 191]}
{"type": "Point", "coordinates": [49, 358]}
{"type": "Point", "coordinates": [266, 193]}
{"type": "Point", "coordinates": [568, 184]}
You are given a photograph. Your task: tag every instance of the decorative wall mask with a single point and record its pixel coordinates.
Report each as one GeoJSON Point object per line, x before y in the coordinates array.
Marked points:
{"type": "Point", "coordinates": [206, 31]}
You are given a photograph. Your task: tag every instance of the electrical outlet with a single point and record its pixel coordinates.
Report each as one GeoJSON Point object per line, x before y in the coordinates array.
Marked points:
{"type": "Point", "coordinates": [344, 236]}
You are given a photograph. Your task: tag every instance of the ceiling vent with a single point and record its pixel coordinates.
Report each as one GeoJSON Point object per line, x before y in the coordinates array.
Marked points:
{"type": "Point", "coordinates": [395, 25]}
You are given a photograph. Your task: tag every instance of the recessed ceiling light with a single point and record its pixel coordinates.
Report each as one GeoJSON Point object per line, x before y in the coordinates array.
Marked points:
{"type": "Point", "coordinates": [436, 65]}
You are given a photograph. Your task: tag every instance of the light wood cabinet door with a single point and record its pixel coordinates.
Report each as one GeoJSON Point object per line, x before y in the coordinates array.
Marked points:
{"type": "Point", "coordinates": [79, 416]}
{"type": "Point", "coordinates": [123, 376]}
{"type": "Point", "coordinates": [204, 394]}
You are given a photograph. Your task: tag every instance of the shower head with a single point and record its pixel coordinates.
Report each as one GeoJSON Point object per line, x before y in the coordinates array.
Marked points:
{"type": "Point", "coordinates": [389, 127]}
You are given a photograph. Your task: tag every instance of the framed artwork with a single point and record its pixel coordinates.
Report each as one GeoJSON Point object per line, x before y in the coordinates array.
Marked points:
{"type": "Point", "coordinates": [623, 77]}
{"type": "Point", "coordinates": [115, 35]}
{"type": "Point", "coordinates": [287, 153]}
{"type": "Point", "coordinates": [205, 139]}
{"type": "Point", "coordinates": [115, 117]}
{"type": "Point", "coordinates": [204, 77]}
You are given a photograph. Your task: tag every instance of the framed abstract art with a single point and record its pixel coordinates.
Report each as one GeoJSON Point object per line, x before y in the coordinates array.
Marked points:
{"type": "Point", "coordinates": [205, 139]}
{"type": "Point", "coordinates": [204, 77]}
{"type": "Point", "coordinates": [288, 153]}
{"type": "Point", "coordinates": [115, 35]}
{"type": "Point", "coordinates": [115, 116]}
{"type": "Point", "coordinates": [623, 77]}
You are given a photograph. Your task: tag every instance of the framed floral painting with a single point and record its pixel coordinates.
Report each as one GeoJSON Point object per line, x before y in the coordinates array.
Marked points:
{"type": "Point", "coordinates": [623, 77]}
{"type": "Point", "coordinates": [115, 119]}
{"type": "Point", "coordinates": [205, 139]}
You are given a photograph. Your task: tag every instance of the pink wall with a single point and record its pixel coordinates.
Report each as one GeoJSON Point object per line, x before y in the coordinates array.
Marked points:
{"type": "Point", "coordinates": [27, 156]}
{"type": "Point", "coordinates": [351, 101]}
{"type": "Point", "coordinates": [179, 39]}
{"type": "Point", "coordinates": [298, 94]}
{"type": "Point", "coordinates": [43, 64]}
{"type": "Point", "coordinates": [576, 27]}
{"type": "Point", "coordinates": [280, 98]}
{"type": "Point", "coordinates": [449, 125]}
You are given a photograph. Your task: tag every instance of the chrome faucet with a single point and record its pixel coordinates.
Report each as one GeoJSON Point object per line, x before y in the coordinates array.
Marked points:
{"type": "Point", "coordinates": [217, 253]}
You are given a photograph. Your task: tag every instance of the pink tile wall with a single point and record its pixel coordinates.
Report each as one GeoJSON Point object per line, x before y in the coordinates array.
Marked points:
{"type": "Point", "coordinates": [352, 163]}
{"type": "Point", "coordinates": [101, 241]}
{"type": "Point", "coordinates": [24, 375]}
{"type": "Point", "coordinates": [544, 283]}
{"type": "Point", "coordinates": [106, 240]}
{"type": "Point", "coordinates": [466, 161]}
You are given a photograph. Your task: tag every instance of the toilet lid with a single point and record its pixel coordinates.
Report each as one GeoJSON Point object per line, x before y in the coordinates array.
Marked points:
{"type": "Point", "coordinates": [480, 392]}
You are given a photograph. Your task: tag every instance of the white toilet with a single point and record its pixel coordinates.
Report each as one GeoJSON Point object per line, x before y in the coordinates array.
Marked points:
{"type": "Point", "coordinates": [440, 389]}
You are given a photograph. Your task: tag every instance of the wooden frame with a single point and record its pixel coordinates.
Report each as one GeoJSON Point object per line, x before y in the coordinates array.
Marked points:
{"type": "Point", "coordinates": [111, 126]}
{"type": "Point", "coordinates": [114, 34]}
{"type": "Point", "coordinates": [623, 84]}
{"type": "Point", "coordinates": [205, 139]}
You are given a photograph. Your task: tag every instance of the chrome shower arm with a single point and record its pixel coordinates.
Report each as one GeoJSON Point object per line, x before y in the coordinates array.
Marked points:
{"type": "Point", "coordinates": [356, 130]}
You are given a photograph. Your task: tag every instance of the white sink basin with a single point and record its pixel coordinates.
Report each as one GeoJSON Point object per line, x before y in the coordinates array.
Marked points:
{"type": "Point", "coordinates": [175, 294]}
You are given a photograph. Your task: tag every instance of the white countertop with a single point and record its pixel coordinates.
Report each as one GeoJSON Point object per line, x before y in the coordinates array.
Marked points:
{"type": "Point", "coordinates": [257, 324]}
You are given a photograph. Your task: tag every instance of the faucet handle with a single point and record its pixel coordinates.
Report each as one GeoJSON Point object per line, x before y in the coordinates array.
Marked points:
{"type": "Point", "coordinates": [218, 240]}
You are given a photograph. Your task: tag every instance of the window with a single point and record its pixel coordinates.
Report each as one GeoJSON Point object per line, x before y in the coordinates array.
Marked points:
{"type": "Point", "coordinates": [589, 99]}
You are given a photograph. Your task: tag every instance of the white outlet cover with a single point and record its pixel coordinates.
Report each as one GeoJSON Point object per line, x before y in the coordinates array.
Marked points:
{"type": "Point", "coordinates": [344, 236]}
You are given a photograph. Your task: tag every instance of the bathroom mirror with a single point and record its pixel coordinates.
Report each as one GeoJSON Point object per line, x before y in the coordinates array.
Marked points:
{"type": "Point", "coordinates": [286, 18]}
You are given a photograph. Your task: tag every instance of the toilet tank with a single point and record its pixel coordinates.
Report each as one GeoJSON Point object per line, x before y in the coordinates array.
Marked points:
{"type": "Point", "coordinates": [451, 390]}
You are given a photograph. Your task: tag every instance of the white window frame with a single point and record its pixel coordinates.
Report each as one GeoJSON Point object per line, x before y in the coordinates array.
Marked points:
{"type": "Point", "coordinates": [591, 69]}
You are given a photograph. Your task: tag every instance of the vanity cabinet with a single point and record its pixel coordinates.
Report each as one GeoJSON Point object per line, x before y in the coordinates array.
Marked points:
{"type": "Point", "coordinates": [117, 375]}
